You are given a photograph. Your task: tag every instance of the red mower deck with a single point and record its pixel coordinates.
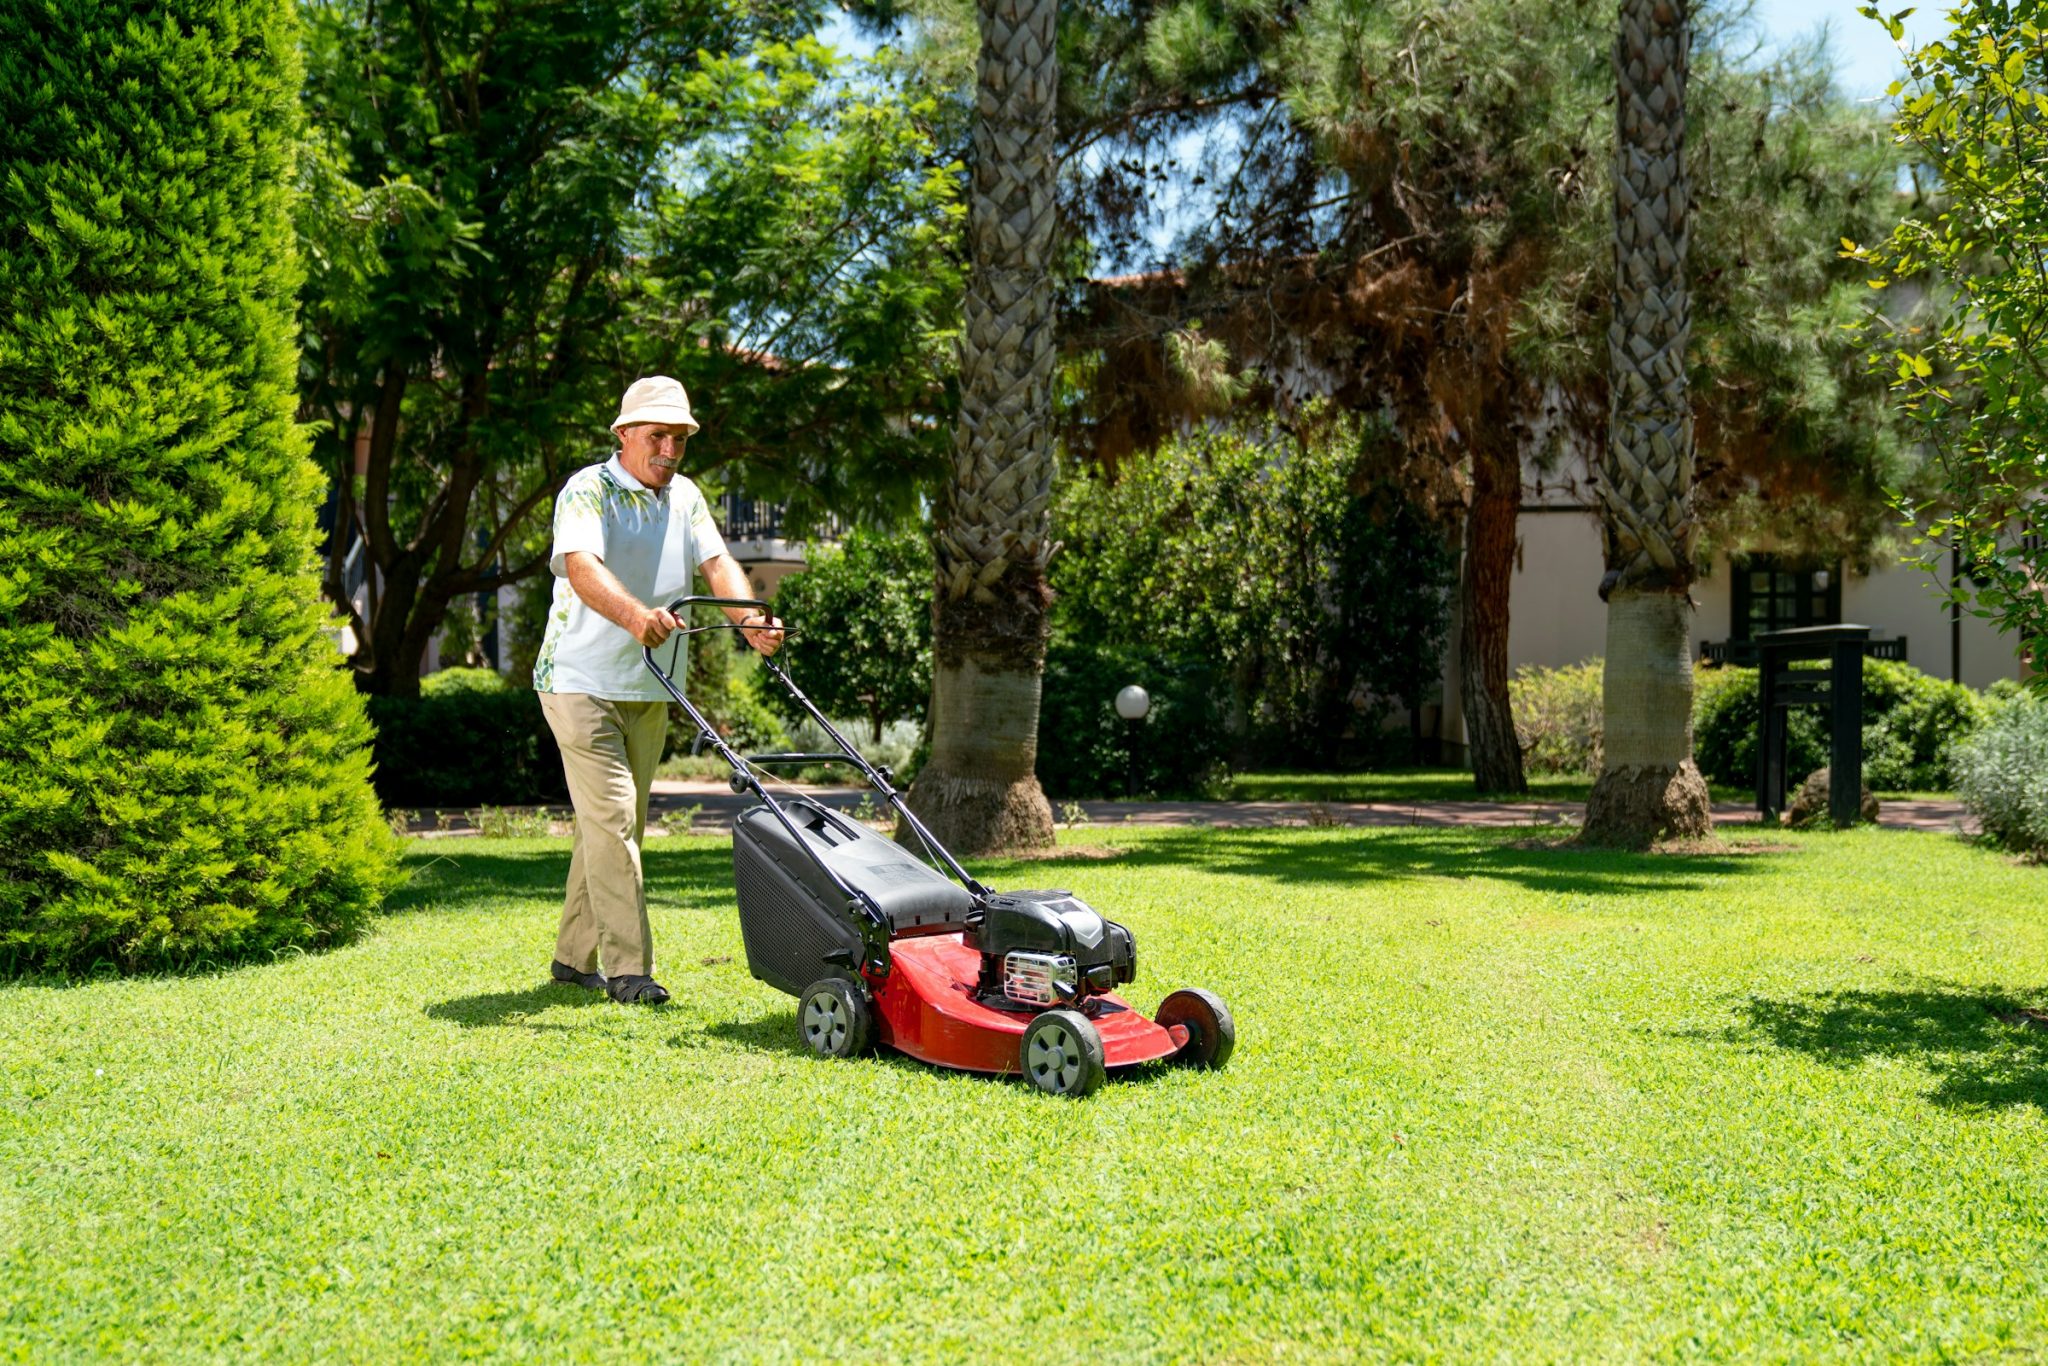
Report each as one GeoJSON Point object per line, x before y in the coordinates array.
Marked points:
{"type": "Point", "coordinates": [926, 1008]}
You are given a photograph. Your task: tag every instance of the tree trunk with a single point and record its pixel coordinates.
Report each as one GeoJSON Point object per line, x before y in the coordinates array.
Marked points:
{"type": "Point", "coordinates": [1483, 590]}
{"type": "Point", "coordinates": [978, 791]}
{"type": "Point", "coordinates": [387, 660]}
{"type": "Point", "coordinates": [1648, 786]}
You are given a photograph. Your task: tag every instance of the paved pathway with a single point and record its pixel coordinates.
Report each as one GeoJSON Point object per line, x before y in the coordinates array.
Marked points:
{"type": "Point", "coordinates": [718, 806]}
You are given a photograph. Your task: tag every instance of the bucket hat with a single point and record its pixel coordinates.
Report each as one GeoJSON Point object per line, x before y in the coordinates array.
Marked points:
{"type": "Point", "coordinates": [655, 399]}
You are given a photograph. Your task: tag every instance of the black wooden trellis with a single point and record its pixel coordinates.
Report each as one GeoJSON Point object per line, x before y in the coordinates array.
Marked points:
{"type": "Point", "coordinates": [1839, 684]}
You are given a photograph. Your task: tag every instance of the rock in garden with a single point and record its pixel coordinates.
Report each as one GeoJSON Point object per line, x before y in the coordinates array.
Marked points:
{"type": "Point", "coordinates": [1809, 805]}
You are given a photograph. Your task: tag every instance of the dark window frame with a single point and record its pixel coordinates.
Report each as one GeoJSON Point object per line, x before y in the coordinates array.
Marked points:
{"type": "Point", "coordinates": [1786, 597]}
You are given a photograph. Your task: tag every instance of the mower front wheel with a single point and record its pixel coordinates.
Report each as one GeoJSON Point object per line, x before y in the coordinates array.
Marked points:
{"type": "Point", "coordinates": [1212, 1034]}
{"type": "Point", "coordinates": [835, 1018]}
{"type": "Point", "coordinates": [1061, 1054]}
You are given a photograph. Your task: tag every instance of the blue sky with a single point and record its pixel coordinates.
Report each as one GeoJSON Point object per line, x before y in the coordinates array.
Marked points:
{"type": "Point", "coordinates": [1866, 60]}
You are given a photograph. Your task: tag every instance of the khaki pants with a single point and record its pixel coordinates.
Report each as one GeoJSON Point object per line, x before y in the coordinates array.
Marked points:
{"type": "Point", "coordinates": [609, 752]}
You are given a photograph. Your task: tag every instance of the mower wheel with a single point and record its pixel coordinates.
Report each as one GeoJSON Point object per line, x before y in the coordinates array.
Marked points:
{"type": "Point", "coordinates": [835, 1018]}
{"type": "Point", "coordinates": [1062, 1054]}
{"type": "Point", "coordinates": [1211, 1031]}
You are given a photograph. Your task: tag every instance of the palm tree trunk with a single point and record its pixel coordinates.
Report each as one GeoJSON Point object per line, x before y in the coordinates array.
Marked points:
{"type": "Point", "coordinates": [979, 791]}
{"type": "Point", "coordinates": [1648, 786]}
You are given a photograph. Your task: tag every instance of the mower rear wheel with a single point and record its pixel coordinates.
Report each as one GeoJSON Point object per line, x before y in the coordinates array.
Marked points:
{"type": "Point", "coordinates": [1211, 1031]}
{"type": "Point", "coordinates": [1061, 1054]}
{"type": "Point", "coordinates": [835, 1018]}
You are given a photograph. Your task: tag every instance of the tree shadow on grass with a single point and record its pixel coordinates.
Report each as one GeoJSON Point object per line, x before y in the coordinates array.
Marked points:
{"type": "Point", "coordinates": [1369, 854]}
{"type": "Point", "coordinates": [774, 1032]}
{"type": "Point", "coordinates": [1988, 1048]}
{"type": "Point", "coordinates": [512, 1008]}
{"type": "Point", "coordinates": [445, 876]}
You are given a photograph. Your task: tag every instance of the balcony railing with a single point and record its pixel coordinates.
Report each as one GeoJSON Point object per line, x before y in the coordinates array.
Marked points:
{"type": "Point", "coordinates": [753, 519]}
{"type": "Point", "coordinates": [1743, 653]}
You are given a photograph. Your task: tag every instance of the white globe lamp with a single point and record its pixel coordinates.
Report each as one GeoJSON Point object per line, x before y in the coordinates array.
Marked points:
{"type": "Point", "coordinates": [1132, 703]}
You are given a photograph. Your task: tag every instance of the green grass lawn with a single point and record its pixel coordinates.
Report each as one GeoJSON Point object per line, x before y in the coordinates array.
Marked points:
{"type": "Point", "coordinates": [1488, 1101]}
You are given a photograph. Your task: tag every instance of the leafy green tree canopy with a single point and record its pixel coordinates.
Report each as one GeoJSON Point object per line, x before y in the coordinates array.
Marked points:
{"type": "Point", "coordinates": [1974, 377]}
{"type": "Point", "coordinates": [183, 768]}
{"type": "Point", "coordinates": [515, 210]}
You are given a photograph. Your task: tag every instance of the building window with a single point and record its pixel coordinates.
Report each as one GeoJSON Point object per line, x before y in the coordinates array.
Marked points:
{"type": "Point", "coordinates": [1777, 593]}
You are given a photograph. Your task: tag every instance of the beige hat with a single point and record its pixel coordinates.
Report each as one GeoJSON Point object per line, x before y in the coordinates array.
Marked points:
{"type": "Point", "coordinates": [655, 399]}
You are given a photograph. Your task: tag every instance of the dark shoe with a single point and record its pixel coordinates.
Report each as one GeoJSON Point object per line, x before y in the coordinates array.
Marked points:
{"type": "Point", "coordinates": [642, 991]}
{"type": "Point", "coordinates": [562, 972]}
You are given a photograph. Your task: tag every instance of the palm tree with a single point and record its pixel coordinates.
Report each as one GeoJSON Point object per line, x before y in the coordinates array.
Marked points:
{"type": "Point", "coordinates": [978, 790]}
{"type": "Point", "coordinates": [1648, 786]}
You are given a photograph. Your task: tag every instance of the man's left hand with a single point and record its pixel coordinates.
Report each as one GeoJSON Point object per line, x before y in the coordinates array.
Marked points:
{"type": "Point", "coordinates": [762, 631]}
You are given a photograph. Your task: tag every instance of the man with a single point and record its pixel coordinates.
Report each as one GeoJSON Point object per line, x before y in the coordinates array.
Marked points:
{"type": "Point", "coordinates": [628, 535]}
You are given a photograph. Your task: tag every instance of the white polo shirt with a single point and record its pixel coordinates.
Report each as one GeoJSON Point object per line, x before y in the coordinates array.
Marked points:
{"type": "Point", "coordinates": [652, 540]}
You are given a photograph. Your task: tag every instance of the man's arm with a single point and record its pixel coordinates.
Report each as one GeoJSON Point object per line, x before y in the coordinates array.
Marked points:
{"type": "Point", "coordinates": [602, 592]}
{"type": "Point", "coordinates": [727, 580]}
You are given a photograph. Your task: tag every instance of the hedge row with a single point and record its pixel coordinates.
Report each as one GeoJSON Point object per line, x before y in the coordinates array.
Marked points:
{"type": "Point", "coordinates": [1911, 724]}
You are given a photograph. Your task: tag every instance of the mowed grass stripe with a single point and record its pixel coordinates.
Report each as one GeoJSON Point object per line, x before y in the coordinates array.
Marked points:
{"type": "Point", "coordinates": [1489, 1100]}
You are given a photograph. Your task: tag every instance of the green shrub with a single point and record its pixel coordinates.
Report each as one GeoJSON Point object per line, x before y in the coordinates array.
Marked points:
{"type": "Point", "coordinates": [1318, 590]}
{"type": "Point", "coordinates": [466, 747]}
{"type": "Point", "coordinates": [862, 614]}
{"type": "Point", "coordinates": [1084, 746]}
{"type": "Point", "coordinates": [1911, 723]}
{"type": "Point", "coordinates": [896, 749]}
{"type": "Point", "coordinates": [1920, 721]}
{"type": "Point", "coordinates": [1558, 717]}
{"type": "Point", "coordinates": [184, 770]}
{"type": "Point", "coordinates": [448, 682]}
{"type": "Point", "coordinates": [2002, 774]}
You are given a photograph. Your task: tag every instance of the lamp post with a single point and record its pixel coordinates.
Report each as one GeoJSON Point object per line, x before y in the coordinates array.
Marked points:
{"type": "Point", "coordinates": [1132, 703]}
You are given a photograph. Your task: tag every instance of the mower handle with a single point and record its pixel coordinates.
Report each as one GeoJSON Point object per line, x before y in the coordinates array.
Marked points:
{"type": "Point", "coordinates": [698, 600]}
{"type": "Point", "coordinates": [880, 778]}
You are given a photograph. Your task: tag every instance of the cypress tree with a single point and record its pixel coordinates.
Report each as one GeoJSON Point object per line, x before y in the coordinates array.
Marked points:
{"type": "Point", "coordinates": [184, 772]}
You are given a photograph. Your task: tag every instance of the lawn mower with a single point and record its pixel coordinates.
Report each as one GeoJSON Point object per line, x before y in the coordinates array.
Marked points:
{"type": "Point", "coordinates": [881, 949]}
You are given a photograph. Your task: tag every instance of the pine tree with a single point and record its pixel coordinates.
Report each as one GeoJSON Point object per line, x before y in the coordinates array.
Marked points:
{"type": "Point", "coordinates": [184, 772]}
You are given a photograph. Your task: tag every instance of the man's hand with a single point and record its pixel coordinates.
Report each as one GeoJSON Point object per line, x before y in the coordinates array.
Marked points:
{"type": "Point", "coordinates": [762, 631]}
{"type": "Point", "coordinates": [656, 625]}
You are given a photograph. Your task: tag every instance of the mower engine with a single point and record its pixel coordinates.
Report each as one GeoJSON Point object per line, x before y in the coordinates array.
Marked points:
{"type": "Point", "coordinates": [1048, 949]}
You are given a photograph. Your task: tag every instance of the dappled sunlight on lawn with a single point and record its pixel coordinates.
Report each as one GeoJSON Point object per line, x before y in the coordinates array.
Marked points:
{"type": "Point", "coordinates": [1987, 1047]}
{"type": "Point", "coordinates": [1366, 855]}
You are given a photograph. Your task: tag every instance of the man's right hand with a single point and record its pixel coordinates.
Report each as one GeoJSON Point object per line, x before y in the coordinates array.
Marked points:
{"type": "Point", "coordinates": [657, 624]}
